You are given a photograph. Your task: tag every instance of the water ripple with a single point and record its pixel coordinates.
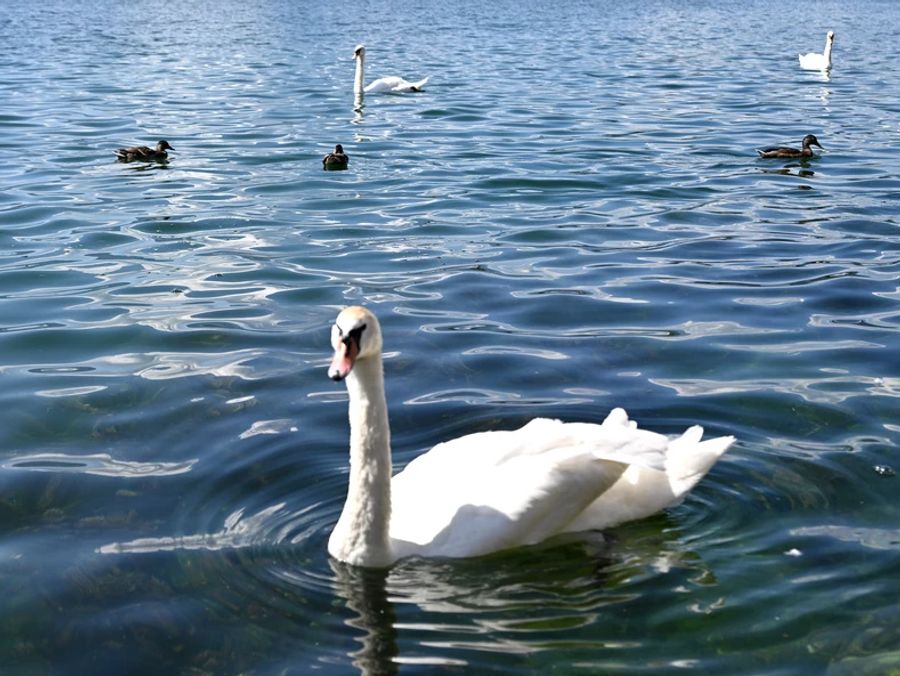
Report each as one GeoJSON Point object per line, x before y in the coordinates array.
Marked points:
{"type": "Point", "coordinates": [584, 228]}
{"type": "Point", "coordinates": [100, 464]}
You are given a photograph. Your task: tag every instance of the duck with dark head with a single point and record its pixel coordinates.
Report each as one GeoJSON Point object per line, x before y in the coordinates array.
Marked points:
{"type": "Point", "coordinates": [144, 153]}
{"type": "Point", "coordinates": [337, 160]}
{"type": "Point", "coordinates": [786, 151]}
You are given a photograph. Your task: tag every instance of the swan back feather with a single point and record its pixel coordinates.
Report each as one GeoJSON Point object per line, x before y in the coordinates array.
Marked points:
{"type": "Point", "coordinates": [394, 83]}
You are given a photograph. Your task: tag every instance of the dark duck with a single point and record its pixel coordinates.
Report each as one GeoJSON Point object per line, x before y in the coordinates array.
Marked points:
{"type": "Point", "coordinates": [336, 160]}
{"type": "Point", "coordinates": [144, 153]}
{"type": "Point", "coordinates": [785, 151]}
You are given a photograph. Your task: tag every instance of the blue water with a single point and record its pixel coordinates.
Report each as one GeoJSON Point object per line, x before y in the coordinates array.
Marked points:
{"type": "Point", "coordinates": [570, 218]}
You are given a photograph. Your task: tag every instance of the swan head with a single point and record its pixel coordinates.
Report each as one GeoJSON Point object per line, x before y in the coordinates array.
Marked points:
{"type": "Point", "coordinates": [830, 36]}
{"type": "Point", "coordinates": [810, 140]}
{"type": "Point", "coordinates": [359, 52]}
{"type": "Point", "coordinates": [355, 335]}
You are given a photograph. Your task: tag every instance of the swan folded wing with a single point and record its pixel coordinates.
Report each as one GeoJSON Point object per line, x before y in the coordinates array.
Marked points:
{"type": "Point", "coordinates": [492, 490]}
{"type": "Point", "coordinates": [466, 511]}
{"type": "Point", "coordinates": [417, 86]}
{"type": "Point", "coordinates": [394, 83]}
{"type": "Point", "coordinates": [616, 439]}
{"type": "Point", "coordinates": [642, 491]}
{"type": "Point", "coordinates": [812, 61]}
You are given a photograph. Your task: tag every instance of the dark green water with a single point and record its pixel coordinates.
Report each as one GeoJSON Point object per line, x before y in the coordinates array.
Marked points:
{"type": "Point", "coordinates": [570, 218]}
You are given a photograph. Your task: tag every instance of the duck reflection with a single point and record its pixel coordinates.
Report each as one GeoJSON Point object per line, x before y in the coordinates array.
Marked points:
{"type": "Point", "coordinates": [796, 167]}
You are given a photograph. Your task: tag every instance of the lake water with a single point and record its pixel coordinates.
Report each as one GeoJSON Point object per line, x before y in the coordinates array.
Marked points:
{"type": "Point", "coordinates": [571, 217]}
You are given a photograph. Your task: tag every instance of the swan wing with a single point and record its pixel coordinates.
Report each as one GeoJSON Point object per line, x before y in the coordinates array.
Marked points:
{"type": "Point", "coordinates": [418, 85]}
{"type": "Point", "coordinates": [493, 490]}
{"type": "Point", "coordinates": [393, 83]}
{"type": "Point", "coordinates": [642, 491]}
{"type": "Point", "coordinates": [812, 61]}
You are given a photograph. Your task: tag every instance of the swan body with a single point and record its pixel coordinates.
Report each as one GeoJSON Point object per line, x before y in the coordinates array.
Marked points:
{"type": "Point", "coordinates": [489, 491]}
{"type": "Point", "coordinates": [816, 61]}
{"type": "Point", "coordinates": [389, 84]}
{"type": "Point", "coordinates": [785, 151]}
{"type": "Point", "coordinates": [336, 160]}
{"type": "Point", "coordinates": [144, 153]}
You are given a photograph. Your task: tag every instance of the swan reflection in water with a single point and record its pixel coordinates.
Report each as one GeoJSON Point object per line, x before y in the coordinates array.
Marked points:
{"type": "Point", "coordinates": [268, 567]}
{"type": "Point", "coordinates": [463, 612]}
{"type": "Point", "coordinates": [364, 591]}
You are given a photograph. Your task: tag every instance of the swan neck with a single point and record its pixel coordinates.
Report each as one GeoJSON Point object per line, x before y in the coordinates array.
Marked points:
{"type": "Point", "coordinates": [358, 78]}
{"type": "Point", "coordinates": [361, 536]}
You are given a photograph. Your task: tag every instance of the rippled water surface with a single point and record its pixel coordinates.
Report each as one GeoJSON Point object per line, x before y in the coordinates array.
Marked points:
{"type": "Point", "coordinates": [571, 217]}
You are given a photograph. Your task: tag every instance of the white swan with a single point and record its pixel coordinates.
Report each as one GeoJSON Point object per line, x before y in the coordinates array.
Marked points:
{"type": "Point", "coordinates": [816, 61]}
{"type": "Point", "coordinates": [391, 83]}
{"type": "Point", "coordinates": [493, 490]}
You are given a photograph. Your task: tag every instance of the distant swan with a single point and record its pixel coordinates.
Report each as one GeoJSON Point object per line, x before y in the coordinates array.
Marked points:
{"type": "Point", "coordinates": [816, 61]}
{"type": "Point", "coordinates": [336, 160]}
{"type": "Point", "coordinates": [493, 490]}
{"type": "Point", "coordinates": [144, 153]}
{"type": "Point", "coordinates": [392, 83]}
{"type": "Point", "coordinates": [784, 151]}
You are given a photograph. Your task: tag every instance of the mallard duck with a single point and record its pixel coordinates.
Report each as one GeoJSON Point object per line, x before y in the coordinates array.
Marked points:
{"type": "Point", "coordinates": [489, 491]}
{"type": "Point", "coordinates": [784, 151]}
{"type": "Point", "coordinates": [144, 153]}
{"type": "Point", "coordinates": [391, 83]}
{"type": "Point", "coordinates": [816, 61]}
{"type": "Point", "coordinates": [336, 160]}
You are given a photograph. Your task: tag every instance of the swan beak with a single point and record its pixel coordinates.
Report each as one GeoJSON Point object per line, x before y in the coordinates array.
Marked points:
{"type": "Point", "coordinates": [345, 353]}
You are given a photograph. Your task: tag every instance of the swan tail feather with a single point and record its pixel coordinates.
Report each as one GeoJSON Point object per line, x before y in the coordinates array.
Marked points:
{"type": "Point", "coordinates": [689, 459]}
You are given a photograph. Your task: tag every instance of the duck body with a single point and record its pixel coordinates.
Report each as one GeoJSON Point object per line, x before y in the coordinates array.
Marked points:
{"type": "Point", "coordinates": [816, 61]}
{"type": "Point", "coordinates": [390, 84]}
{"type": "Point", "coordinates": [337, 160]}
{"type": "Point", "coordinates": [494, 490]}
{"type": "Point", "coordinates": [788, 152]}
{"type": "Point", "coordinates": [144, 153]}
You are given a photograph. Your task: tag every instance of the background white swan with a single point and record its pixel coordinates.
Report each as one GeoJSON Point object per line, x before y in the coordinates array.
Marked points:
{"type": "Point", "coordinates": [493, 490]}
{"type": "Point", "coordinates": [391, 83]}
{"type": "Point", "coordinates": [816, 61]}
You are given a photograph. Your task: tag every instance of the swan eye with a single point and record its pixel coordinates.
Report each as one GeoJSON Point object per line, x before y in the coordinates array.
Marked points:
{"type": "Point", "coordinates": [355, 335]}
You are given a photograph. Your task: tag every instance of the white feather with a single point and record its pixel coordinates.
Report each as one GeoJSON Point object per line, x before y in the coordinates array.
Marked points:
{"type": "Point", "coordinates": [389, 84]}
{"type": "Point", "coordinates": [494, 490]}
{"type": "Point", "coordinates": [816, 61]}
{"type": "Point", "coordinates": [393, 83]}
